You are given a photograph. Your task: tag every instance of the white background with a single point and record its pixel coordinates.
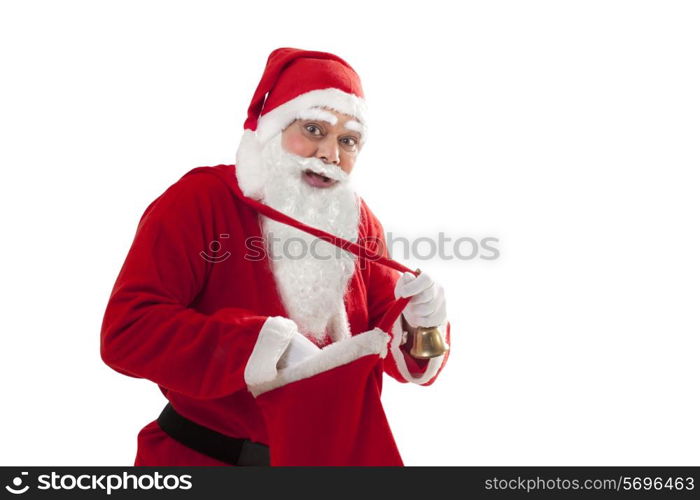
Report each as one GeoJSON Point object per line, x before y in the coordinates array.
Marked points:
{"type": "Point", "coordinates": [568, 130]}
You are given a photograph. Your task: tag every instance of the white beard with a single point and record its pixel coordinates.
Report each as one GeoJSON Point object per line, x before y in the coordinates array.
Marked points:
{"type": "Point", "coordinates": [311, 280]}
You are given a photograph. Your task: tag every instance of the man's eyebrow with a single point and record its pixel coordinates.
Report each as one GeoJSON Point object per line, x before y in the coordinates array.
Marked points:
{"type": "Point", "coordinates": [317, 114]}
{"type": "Point", "coordinates": [355, 126]}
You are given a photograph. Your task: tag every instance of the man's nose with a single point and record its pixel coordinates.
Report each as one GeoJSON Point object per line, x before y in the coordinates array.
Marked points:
{"type": "Point", "coordinates": [328, 152]}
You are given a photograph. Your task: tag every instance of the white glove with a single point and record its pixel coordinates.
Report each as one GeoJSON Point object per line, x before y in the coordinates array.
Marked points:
{"type": "Point", "coordinates": [427, 305]}
{"type": "Point", "coordinates": [298, 350]}
{"type": "Point", "coordinates": [279, 337]}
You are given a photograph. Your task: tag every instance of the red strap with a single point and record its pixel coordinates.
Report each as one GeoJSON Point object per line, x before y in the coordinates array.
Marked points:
{"type": "Point", "coordinates": [359, 250]}
{"type": "Point", "coordinates": [391, 315]}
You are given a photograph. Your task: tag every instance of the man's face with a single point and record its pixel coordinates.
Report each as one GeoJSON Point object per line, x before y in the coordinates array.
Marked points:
{"type": "Point", "coordinates": [330, 136]}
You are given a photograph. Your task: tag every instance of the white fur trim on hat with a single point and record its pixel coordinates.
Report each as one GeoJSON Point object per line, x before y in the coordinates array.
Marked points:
{"type": "Point", "coordinates": [343, 102]}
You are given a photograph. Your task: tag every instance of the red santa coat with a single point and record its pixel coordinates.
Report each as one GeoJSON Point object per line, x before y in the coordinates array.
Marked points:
{"type": "Point", "coordinates": [186, 313]}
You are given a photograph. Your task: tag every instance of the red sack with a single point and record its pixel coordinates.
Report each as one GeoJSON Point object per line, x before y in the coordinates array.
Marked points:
{"type": "Point", "coordinates": [326, 410]}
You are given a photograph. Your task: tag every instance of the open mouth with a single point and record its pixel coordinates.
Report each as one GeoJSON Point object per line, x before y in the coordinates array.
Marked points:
{"type": "Point", "coordinates": [317, 180]}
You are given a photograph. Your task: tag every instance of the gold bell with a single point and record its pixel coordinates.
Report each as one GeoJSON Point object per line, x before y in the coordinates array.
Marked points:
{"type": "Point", "coordinates": [427, 343]}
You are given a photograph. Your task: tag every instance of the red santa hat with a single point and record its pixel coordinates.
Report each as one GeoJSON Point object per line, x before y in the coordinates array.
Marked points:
{"type": "Point", "coordinates": [294, 81]}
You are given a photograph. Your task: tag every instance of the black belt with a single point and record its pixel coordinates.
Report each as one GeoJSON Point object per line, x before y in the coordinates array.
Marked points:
{"type": "Point", "coordinates": [211, 443]}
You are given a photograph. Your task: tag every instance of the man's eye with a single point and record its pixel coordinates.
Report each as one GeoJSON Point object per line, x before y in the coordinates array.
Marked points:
{"type": "Point", "coordinates": [349, 141]}
{"type": "Point", "coordinates": [313, 129]}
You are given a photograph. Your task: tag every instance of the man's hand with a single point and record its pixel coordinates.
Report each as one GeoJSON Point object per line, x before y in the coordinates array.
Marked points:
{"type": "Point", "coordinates": [298, 350]}
{"type": "Point", "coordinates": [279, 345]}
{"type": "Point", "coordinates": [427, 306]}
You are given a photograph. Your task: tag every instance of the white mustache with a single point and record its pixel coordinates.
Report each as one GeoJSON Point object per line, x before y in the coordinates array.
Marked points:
{"type": "Point", "coordinates": [317, 166]}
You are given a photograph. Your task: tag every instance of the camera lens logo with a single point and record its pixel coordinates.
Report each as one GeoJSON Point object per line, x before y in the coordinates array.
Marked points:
{"type": "Point", "coordinates": [17, 483]}
{"type": "Point", "coordinates": [215, 247]}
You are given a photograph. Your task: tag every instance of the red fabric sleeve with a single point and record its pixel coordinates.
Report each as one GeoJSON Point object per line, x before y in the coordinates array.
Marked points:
{"type": "Point", "coordinates": [149, 329]}
{"type": "Point", "coordinates": [380, 294]}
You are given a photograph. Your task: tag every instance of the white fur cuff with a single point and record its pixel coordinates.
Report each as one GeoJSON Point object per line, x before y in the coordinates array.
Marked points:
{"type": "Point", "coordinates": [333, 355]}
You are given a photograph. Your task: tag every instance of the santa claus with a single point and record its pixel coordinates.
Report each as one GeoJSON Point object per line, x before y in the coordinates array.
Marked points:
{"type": "Point", "coordinates": [274, 356]}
